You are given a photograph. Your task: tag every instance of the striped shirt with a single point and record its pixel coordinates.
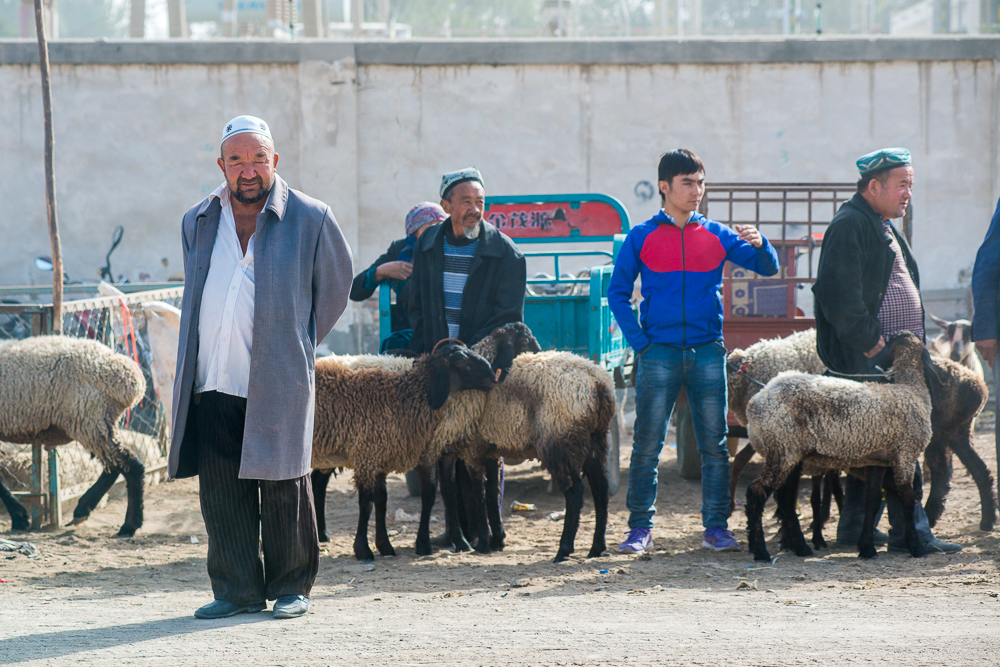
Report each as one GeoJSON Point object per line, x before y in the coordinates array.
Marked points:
{"type": "Point", "coordinates": [457, 262]}
{"type": "Point", "coordinates": [901, 307]}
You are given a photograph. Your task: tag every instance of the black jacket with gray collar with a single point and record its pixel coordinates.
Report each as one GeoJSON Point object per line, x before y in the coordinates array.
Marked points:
{"type": "Point", "coordinates": [493, 294]}
{"type": "Point", "coordinates": [855, 265]}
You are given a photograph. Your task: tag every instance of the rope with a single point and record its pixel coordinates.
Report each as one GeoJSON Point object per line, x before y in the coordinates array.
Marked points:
{"type": "Point", "coordinates": [887, 375]}
{"type": "Point", "coordinates": [128, 330]}
{"type": "Point", "coordinates": [446, 340]}
{"type": "Point", "coordinates": [742, 371]}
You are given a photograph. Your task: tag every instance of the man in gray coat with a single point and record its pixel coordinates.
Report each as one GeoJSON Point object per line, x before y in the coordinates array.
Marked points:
{"type": "Point", "coordinates": [267, 272]}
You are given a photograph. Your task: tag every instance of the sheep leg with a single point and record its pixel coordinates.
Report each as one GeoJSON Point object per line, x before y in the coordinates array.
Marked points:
{"type": "Point", "coordinates": [874, 479]}
{"type": "Point", "coordinates": [736, 469]}
{"type": "Point", "coordinates": [449, 496]}
{"type": "Point", "coordinates": [982, 476]}
{"type": "Point", "coordinates": [19, 519]}
{"type": "Point", "coordinates": [88, 501]}
{"type": "Point", "coordinates": [757, 495]}
{"type": "Point", "coordinates": [473, 492]}
{"type": "Point", "coordinates": [786, 497]}
{"type": "Point", "coordinates": [135, 480]}
{"type": "Point", "coordinates": [818, 499]}
{"type": "Point", "coordinates": [320, 480]}
{"type": "Point", "coordinates": [497, 534]}
{"type": "Point", "coordinates": [381, 534]}
{"type": "Point", "coordinates": [574, 503]}
{"type": "Point", "coordinates": [909, 495]}
{"type": "Point", "coordinates": [362, 551]}
{"type": "Point", "coordinates": [427, 497]}
{"type": "Point", "coordinates": [594, 471]}
{"type": "Point", "coordinates": [836, 488]}
{"type": "Point", "coordinates": [937, 461]}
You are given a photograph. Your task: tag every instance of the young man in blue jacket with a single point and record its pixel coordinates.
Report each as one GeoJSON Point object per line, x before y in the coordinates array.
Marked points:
{"type": "Point", "coordinates": [678, 339]}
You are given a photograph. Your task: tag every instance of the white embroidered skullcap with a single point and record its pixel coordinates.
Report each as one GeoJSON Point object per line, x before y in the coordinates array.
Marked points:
{"type": "Point", "coordinates": [242, 124]}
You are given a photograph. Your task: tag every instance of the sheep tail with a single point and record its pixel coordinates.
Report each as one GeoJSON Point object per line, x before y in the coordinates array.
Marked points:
{"type": "Point", "coordinates": [120, 379]}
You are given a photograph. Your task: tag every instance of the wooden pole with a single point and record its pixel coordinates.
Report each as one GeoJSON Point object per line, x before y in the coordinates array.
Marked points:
{"type": "Point", "coordinates": [50, 177]}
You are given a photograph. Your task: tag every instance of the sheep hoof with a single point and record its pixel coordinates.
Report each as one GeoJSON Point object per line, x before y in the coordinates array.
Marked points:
{"type": "Point", "coordinates": [126, 531]}
{"type": "Point", "coordinates": [423, 549]}
{"type": "Point", "coordinates": [498, 543]}
{"type": "Point", "coordinates": [868, 553]}
{"type": "Point", "coordinates": [387, 550]}
{"type": "Point", "coordinates": [762, 556]}
{"type": "Point", "coordinates": [21, 523]}
{"type": "Point", "coordinates": [803, 550]}
{"type": "Point", "coordinates": [597, 551]}
{"type": "Point", "coordinates": [560, 557]}
{"type": "Point", "coordinates": [986, 524]}
{"type": "Point", "coordinates": [324, 536]}
{"type": "Point", "coordinates": [365, 555]}
{"type": "Point", "coordinates": [78, 520]}
{"type": "Point", "coordinates": [819, 543]}
{"type": "Point", "coordinates": [483, 547]}
{"type": "Point", "coordinates": [461, 544]}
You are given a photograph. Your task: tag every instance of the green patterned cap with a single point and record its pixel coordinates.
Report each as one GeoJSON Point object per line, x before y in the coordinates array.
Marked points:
{"type": "Point", "coordinates": [883, 158]}
{"type": "Point", "coordinates": [453, 178]}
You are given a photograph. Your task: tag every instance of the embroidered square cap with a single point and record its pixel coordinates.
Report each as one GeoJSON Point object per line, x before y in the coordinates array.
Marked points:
{"type": "Point", "coordinates": [242, 124]}
{"type": "Point", "coordinates": [422, 214]}
{"type": "Point", "coordinates": [453, 178]}
{"type": "Point", "coordinates": [883, 158]}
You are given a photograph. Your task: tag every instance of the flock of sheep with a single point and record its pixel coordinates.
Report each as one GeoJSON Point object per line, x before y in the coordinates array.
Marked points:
{"type": "Point", "coordinates": [382, 414]}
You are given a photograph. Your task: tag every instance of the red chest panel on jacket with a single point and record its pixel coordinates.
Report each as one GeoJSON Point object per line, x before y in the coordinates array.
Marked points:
{"type": "Point", "coordinates": [663, 251]}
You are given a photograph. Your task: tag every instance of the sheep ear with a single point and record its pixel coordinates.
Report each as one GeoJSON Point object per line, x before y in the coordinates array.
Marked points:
{"type": "Point", "coordinates": [504, 359]}
{"type": "Point", "coordinates": [440, 386]}
{"type": "Point", "coordinates": [937, 320]}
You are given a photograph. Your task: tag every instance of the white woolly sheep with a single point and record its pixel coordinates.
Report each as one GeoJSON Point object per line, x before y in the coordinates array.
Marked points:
{"type": "Point", "coordinates": [377, 422]}
{"type": "Point", "coordinates": [555, 407]}
{"type": "Point", "coordinates": [957, 401]}
{"type": "Point", "coordinates": [834, 423]}
{"type": "Point", "coordinates": [56, 389]}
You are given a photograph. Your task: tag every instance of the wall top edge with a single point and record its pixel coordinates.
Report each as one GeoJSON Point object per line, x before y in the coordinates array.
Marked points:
{"type": "Point", "coordinates": [641, 51]}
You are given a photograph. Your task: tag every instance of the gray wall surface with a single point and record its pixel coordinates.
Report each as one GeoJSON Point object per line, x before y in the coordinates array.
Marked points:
{"type": "Point", "coordinates": [370, 127]}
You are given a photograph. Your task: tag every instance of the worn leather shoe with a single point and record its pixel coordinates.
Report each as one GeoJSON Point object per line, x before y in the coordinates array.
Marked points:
{"type": "Point", "coordinates": [291, 606]}
{"type": "Point", "coordinates": [934, 546]}
{"type": "Point", "coordinates": [223, 609]}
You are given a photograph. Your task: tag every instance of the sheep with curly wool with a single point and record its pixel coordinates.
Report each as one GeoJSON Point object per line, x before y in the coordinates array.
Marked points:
{"type": "Point", "coordinates": [832, 423]}
{"type": "Point", "coordinates": [377, 421]}
{"type": "Point", "coordinates": [957, 401]}
{"type": "Point", "coordinates": [555, 407]}
{"type": "Point", "coordinates": [56, 389]}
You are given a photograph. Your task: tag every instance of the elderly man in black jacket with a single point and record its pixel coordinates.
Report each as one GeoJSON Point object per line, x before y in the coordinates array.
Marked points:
{"type": "Point", "coordinates": [468, 278]}
{"type": "Point", "coordinates": [867, 288]}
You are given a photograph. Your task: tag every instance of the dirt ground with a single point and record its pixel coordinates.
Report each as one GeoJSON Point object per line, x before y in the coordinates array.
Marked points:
{"type": "Point", "coordinates": [90, 599]}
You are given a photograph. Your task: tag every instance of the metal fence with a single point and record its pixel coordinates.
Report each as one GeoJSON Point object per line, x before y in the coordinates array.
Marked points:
{"type": "Point", "coordinates": [43, 481]}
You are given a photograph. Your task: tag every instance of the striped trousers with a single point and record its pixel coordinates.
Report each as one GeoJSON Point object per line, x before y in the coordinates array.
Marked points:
{"type": "Point", "coordinates": [248, 518]}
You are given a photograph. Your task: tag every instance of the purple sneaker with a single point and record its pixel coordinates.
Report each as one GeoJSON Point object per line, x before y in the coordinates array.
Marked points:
{"type": "Point", "coordinates": [719, 539]}
{"type": "Point", "coordinates": [638, 540]}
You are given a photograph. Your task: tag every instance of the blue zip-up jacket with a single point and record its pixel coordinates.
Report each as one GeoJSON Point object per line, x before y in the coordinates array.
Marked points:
{"type": "Point", "coordinates": [681, 279]}
{"type": "Point", "coordinates": [986, 284]}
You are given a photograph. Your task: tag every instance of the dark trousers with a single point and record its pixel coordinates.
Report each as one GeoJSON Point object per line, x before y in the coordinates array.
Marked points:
{"type": "Point", "coordinates": [245, 517]}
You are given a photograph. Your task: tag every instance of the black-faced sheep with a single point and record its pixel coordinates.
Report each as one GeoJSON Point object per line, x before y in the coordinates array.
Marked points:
{"type": "Point", "coordinates": [957, 402]}
{"type": "Point", "coordinates": [833, 423]}
{"type": "Point", "coordinates": [56, 389]}
{"type": "Point", "coordinates": [377, 421]}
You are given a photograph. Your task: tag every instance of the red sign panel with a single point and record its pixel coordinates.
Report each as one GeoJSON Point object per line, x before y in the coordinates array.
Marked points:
{"type": "Point", "coordinates": [555, 219]}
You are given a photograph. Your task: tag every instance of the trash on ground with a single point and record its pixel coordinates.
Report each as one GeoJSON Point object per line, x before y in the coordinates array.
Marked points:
{"type": "Point", "coordinates": [26, 548]}
{"type": "Point", "coordinates": [403, 515]}
{"type": "Point", "coordinates": [194, 539]}
{"type": "Point", "coordinates": [517, 506]}
{"type": "Point", "coordinates": [359, 567]}
{"type": "Point", "coordinates": [555, 516]}
{"type": "Point", "coordinates": [747, 586]}
{"type": "Point", "coordinates": [520, 583]}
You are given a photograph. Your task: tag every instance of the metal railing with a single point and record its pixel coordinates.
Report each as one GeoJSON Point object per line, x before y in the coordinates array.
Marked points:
{"type": "Point", "coordinates": [44, 482]}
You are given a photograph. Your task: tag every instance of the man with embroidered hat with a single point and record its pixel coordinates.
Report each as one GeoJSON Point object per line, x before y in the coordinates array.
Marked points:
{"type": "Point", "coordinates": [468, 277]}
{"type": "Point", "coordinates": [267, 273]}
{"type": "Point", "coordinates": [868, 289]}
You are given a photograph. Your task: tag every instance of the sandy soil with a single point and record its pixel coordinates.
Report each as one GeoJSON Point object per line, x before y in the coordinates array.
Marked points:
{"type": "Point", "coordinates": [88, 598]}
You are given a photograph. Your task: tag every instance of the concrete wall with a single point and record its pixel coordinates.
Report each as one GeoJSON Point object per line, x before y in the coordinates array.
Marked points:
{"type": "Point", "coordinates": [369, 128]}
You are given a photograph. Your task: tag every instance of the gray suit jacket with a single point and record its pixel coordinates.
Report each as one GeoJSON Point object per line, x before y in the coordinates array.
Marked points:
{"type": "Point", "coordinates": [302, 276]}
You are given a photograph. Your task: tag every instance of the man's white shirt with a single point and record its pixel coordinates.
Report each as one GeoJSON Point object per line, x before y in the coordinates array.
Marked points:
{"type": "Point", "coordinates": [225, 321]}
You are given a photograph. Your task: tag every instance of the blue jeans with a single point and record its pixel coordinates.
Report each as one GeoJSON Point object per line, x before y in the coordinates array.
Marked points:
{"type": "Point", "coordinates": [661, 373]}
